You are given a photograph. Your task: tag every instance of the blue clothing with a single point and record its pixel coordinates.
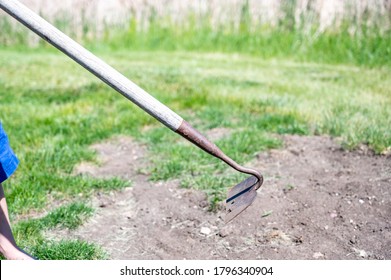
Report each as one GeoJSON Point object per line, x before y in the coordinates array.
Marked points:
{"type": "Point", "coordinates": [8, 160]}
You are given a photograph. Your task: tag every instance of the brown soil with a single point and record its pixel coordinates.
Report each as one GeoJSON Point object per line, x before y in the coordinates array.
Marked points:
{"type": "Point", "coordinates": [317, 202]}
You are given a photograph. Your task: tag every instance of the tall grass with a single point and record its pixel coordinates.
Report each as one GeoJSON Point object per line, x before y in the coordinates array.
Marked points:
{"type": "Point", "coordinates": [346, 31]}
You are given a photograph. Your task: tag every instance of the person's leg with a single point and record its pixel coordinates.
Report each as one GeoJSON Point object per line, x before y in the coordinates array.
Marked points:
{"type": "Point", "coordinates": [8, 247]}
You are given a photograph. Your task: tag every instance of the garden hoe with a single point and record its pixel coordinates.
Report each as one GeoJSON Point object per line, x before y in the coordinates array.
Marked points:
{"type": "Point", "coordinates": [239, 197]}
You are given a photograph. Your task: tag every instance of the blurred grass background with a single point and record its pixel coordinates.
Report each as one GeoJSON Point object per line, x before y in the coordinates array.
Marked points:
{"type": "Point", "coordinates": [256, 68]}
{"type": "Point", "coordinates": [335, 31]}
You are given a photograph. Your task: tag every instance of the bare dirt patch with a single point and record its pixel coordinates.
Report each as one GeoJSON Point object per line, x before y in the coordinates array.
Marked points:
{"type": "Point", "coordinates": [317, 202]}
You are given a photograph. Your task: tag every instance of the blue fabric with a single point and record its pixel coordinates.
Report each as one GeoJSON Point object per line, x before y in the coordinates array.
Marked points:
{"type": "Point", "coordinates": [8, 160]}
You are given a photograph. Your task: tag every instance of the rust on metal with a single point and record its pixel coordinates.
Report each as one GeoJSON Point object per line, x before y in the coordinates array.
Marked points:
{"type": "Point", "coordinates": [242, 195]}
{"type": "Point", "coordinates": [194, 136]}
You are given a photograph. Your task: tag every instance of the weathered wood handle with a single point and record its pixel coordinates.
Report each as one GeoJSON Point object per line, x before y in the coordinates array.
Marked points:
{"type": "Point", "coordinates": [92, 63]}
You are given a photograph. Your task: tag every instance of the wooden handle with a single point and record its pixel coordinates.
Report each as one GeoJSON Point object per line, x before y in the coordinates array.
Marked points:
{"type": "Point", "coordinates": [92, 63]}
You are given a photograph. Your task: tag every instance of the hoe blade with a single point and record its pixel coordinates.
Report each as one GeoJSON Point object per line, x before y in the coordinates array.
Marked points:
{"type": "Point", "coordinates": [240, 197]}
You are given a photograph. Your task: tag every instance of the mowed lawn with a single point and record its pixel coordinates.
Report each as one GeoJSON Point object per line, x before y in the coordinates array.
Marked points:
{"type": "Point", "coordinates": [53, 110]}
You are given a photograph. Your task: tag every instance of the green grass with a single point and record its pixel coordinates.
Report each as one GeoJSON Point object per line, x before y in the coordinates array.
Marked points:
{"type": "Point", "coordinates": [372, 48]}
{"type": "Point", "coordinates": [53, 110]}
{"type": "Point", "coordinates": [30, 235]}
{"type": "Point", "coordinates": [365, 44]}
{"type": "Point", "coordinates": [69, 250]}
{"type": "Point", "coordinates": [361, 38]}
{"type": "Point", "coordinates": [66, 217]}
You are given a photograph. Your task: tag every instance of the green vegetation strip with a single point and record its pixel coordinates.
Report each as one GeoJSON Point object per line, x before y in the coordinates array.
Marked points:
{"type": "Point", "coordinates": [361, 38]}
{"type": "Point", "coordinates": [31, 235]}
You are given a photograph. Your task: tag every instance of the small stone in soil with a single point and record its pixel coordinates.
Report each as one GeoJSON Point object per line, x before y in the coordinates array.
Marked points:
{"type": "Point", "coordinates": [205, 230]}
{"type": "Point", "coordinates": [317, 255]}
{"type": "Point", "coordinates": [361, 253]}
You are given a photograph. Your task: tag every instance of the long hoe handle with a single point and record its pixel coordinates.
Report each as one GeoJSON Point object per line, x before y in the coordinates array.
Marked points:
{"type": "Point", "coordinates": [124, 86]}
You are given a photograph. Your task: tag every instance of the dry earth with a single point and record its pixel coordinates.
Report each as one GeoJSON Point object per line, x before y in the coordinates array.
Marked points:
{"type": "Point", "coordinates": [318, 202]}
